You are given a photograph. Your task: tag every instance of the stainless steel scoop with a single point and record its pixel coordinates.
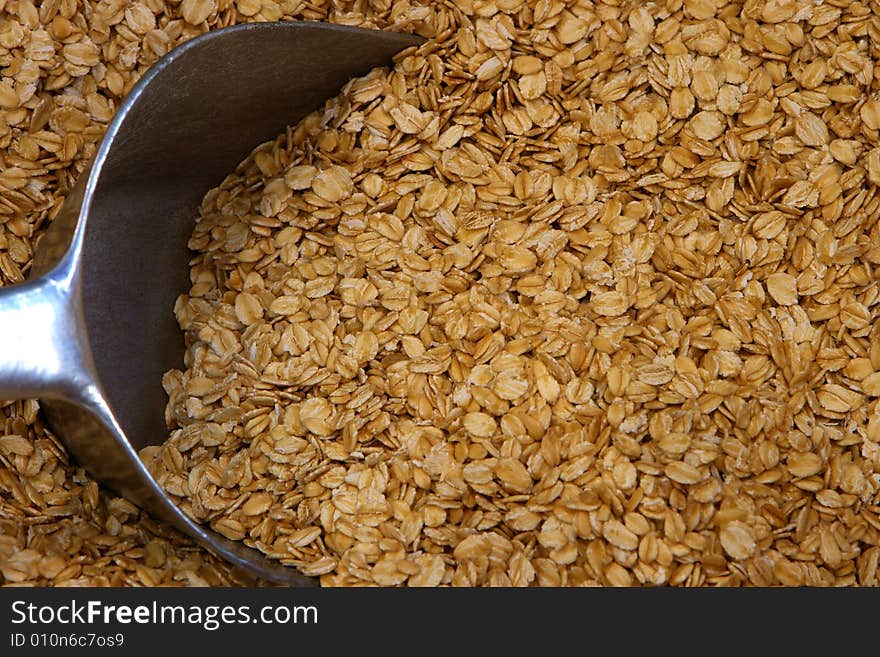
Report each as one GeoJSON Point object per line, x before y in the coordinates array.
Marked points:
{"type": "Point", "coordinates": [92, 331]}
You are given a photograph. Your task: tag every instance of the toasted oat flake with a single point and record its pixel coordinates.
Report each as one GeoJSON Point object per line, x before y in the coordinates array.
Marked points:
{"type": "Point", "coordinates": [196, 12]}
{"type": "Point", "coordinates": [707, 125]}
{"type": "Point", "coordinates": [737, 540]}
{"type": "Point", "coordinates": [479, 424]}
{"type": "Point", "coordinates": [870, 114]}
{"type": "Point", "coordinates": [811, 130]}
{"type": "Point", "coordinates": [610, 303]}
{"type": "Point", "coordinates": [783, 288]}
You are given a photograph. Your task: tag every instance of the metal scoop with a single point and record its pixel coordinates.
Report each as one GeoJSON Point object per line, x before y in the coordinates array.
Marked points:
{"type": "Point", "coordinates": [92, 332]}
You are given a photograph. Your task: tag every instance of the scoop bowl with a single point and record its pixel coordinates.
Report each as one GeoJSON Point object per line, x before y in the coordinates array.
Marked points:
{"type": "Point", "coordinates": [92, 331]}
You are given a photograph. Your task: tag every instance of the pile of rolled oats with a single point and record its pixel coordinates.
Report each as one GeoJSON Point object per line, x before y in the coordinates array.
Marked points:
{"type": "Point", "coordinates": [574, 294]}
{"type": "Point", "coordinates": [578, 293]}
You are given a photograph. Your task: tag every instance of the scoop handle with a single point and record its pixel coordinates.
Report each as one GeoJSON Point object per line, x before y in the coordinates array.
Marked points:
{"type": "Point", "coordinates": [43, 350]}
